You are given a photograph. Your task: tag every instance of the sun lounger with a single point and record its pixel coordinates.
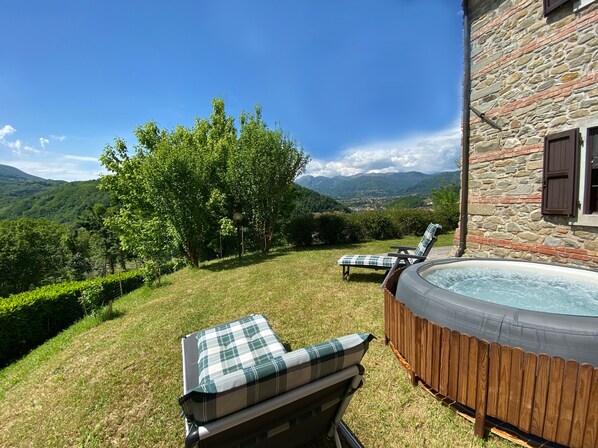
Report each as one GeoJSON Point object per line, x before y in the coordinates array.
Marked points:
{"type": "Point", "coordinates": [390, 262]}
{"type": "Point", "coordinates": [242, 388]}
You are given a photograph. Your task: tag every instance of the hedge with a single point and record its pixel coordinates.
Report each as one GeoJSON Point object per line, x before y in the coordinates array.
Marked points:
{"type": "Point", "coordinates": [30, 318]}
{"type": "Point", "coordinates": [335, 227]}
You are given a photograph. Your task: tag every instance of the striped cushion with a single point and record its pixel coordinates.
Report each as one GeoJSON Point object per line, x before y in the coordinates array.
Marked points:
{"type": "Point", "coordinates": [366, 260]}
{"type": "Point", "coordinates": [236, 345]}
{"type": "Point", "coordinates": [224, 394]}
{"type": "Point", "coordinates": [426, 239]}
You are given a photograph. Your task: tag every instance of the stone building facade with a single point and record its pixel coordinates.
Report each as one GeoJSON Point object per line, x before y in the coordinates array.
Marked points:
{"type": "Point", "coordinates": [533, 75]}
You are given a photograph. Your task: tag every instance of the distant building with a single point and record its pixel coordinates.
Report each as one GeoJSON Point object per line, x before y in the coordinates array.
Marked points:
{"type": "Point", "coordinates": [532, 188]}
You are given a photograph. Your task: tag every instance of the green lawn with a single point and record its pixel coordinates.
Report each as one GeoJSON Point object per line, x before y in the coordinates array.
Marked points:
{"type": "Point", "coordinates": [117, 383]}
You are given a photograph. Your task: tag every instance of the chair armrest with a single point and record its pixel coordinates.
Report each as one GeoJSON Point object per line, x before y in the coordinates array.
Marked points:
{"type": "Point", "coordinates": [403, 247]}
{"type": "Point", "coordinates": [405, 256]}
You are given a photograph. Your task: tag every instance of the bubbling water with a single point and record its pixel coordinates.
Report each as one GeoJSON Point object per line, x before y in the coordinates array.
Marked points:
{"type": "Point", "coordinates": [528, 290]}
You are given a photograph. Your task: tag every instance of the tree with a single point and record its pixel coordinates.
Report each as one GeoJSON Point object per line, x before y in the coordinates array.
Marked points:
{"type": "Point", "coordinates": [261, 172]}
{"type": "Point", "coordinates": [446, 203]}
{"type": "Point", "coordinates": [104, 241]}
{"type": "Point", "coordinates": [172, 187]}
{"type": "Point", "coordinates": [31, 254]}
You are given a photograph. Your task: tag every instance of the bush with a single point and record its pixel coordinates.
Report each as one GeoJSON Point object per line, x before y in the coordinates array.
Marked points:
{"type": "Point", "coordinates": [376, 225]}
{"type": "Point", "coordinates": [299, 231]}
{"type": "Point", "coordinates": [30, 318]}
{"type": "Point", "coordinates": [331, 228]}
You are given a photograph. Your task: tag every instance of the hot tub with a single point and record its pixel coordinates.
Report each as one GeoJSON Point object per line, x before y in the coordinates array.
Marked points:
{"type": "Point", "coordinates": [521, 365]}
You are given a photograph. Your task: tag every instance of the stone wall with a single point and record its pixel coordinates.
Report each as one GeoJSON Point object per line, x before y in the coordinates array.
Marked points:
{"type": "Point", "coordinates": [533, 76]}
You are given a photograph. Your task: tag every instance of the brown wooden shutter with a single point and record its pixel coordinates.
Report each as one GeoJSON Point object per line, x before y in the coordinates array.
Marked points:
{"type": "Point", "coordinates": [559, 186]}
{"type": "Point", "coordinates": [551, 5]}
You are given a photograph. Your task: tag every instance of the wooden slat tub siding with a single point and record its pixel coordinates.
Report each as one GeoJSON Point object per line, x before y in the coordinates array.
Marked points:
{"type": "Point", "coordinates": [540, 395]}
{"type": "Point", "coordinates": [493, 379]}
{"type": "Point", "coordinates": [402, 330]}
{"type": "Point", "coordinates": [454, 366]}
{"type": "Point", "coordinates": [580, 411]}
{"type": "Point", "coordinates": [544, 396]}
{"type": "Point", "coordinates": [445, 361]}
{"type": "Point", "coordinates": [590, 437]}
{"type": "Point", "coordinates": [436, 355]}
{"type": "Point", "coordinates": [504, 383]}
{"type": "Point", "coordinates": [419, 355]}
{"type": "Point", "coordinates": [429, 351]}
{"type": "Point", "coordinates": [563, 430]}
{"type": "Point", "coordinates": [481, 404]}
{"type": "Point", "coordinates": [409, 336]}
{"type": "Point", "coordinates": [472, 380]}
{"type": "Point", "coordinates": [555, 387]}
{"type": "Point", "coordinates": [530, 362]}
{"type": "Point", "coordinates": [463, 368]}
{"type": "Point", "coordinates": [516, 384]}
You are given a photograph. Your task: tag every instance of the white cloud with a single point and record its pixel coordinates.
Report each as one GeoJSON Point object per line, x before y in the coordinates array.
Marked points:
{"type": "Point", "coordinates": [60, 138]}
{"type": "Point", "coordinates": [16, 146]}
{"type": "Point", "coordinates": [6, 130]}
{"type": "Point", "coordinates": [43, 142]}
{"type": "Point", "coordinates": [425, 153]}
{"type": "Point", "coordinates": [81, 158]}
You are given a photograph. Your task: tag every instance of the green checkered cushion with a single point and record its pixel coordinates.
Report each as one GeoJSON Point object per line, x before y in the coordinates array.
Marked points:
{"type": "Point", "coordinates": [236, 345]}
{"type": "Point", "coordinates": [367, 261]}
{"type": "Point", "coordinates": [429, 235]}
{"type": "Point", "coordinates": [227, 393]}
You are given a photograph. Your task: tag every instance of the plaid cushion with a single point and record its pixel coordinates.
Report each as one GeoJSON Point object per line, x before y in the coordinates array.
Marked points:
{"type": "Point", "coordinates": [426, 239]}
{"type": "Point", "coordinates": [224, 394]}
{"type": "Point", "coordinates": [366, 260]}
{"type": "Point", "coordinates": [236, 345]}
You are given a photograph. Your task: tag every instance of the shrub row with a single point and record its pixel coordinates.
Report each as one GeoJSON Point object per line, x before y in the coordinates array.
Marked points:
{"type": "Point", "coordinates": [334, 228]}
{"type": "Point", "coordinates": [30, 318]}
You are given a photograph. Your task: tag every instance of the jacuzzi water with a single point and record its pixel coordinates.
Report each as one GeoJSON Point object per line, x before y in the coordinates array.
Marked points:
{"type": "Point", "coordinates": [536, 291]}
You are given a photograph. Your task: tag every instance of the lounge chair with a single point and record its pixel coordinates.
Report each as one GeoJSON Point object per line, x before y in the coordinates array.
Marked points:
{"type": "Point", "coordinates": [242, 388]}
{"type": "Point", "coordinates": [403, 256]}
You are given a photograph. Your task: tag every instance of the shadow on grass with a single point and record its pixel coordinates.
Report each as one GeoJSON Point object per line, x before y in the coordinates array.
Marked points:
{"type": "Point", "coordinates": [370, 277]}
{"type": "Point", "coordinates": [247, 260]}
{"type": "Point", "coordinates": [258, 257]}
{"type": "Point", "coordinates": [105, 315]}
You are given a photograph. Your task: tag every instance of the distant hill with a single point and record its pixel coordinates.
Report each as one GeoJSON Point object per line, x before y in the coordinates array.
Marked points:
{"type": "Point", "coordinates": [10, 173]}
{"type": "Point", "coordinates": [377, 185]}
{"type": "Point", "coordinates": [24, 195]}
{"type": "Point", "coordinates": [16, 184]}
{"type": "Point", "coordinates": [309, 201]}
{"type": "Point", "coordinates": [61, 203]}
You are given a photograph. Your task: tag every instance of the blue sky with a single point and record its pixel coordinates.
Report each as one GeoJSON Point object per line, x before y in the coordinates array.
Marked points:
{"type": "Point", "coordinates": [362, 86]}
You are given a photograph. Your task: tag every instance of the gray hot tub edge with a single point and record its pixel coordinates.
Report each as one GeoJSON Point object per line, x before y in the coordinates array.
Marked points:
{"type": "Point", "coordinates": [566, 336]}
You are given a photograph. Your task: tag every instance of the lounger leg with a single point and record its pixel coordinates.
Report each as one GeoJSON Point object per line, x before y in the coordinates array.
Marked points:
{"type": "Point", "coordinates": [346, 272]}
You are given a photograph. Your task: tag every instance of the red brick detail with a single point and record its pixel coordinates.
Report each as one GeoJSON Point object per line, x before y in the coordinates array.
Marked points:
{"type": "Point", "coordinates": [507, 153]}
{"type": "Point", "coordinates": [497, 21]}
{"type": "Point", "coordinates": [555, 251]}
{"type": "Point", "coordinates": [557, 93]}
{"type": "Point", "coordinates": [559, 34]}
{"type": "Point", "coordinates": [513, 199]}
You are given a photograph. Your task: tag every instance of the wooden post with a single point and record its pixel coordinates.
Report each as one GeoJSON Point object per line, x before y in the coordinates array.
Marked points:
{"type": "Point", "coordinates": [110, 308]}
{"type": "Point", "coordinates": [482, 388]}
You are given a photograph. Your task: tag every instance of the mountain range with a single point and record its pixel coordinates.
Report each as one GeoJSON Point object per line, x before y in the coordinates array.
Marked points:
{"type": "Point", "coordinates": [24, 195]}
{"type": "Point", "coordinates": [378, 185]}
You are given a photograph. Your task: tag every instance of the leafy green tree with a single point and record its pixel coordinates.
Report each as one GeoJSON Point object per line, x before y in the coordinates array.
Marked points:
{"type": "Point", "coordinates": [261, 172]}
{"type": "Point", "coordinates": [31, 254]}
{"type": "Point", "coordinates": [104, 241]}
{"type": "Point", "coordinates": [172, 188]}
{"type": "Point", "coordinates": [445, 201]}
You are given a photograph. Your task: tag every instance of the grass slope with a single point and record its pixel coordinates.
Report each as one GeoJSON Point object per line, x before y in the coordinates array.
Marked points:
{"type": "Point", "coordinates": [117, 383]}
